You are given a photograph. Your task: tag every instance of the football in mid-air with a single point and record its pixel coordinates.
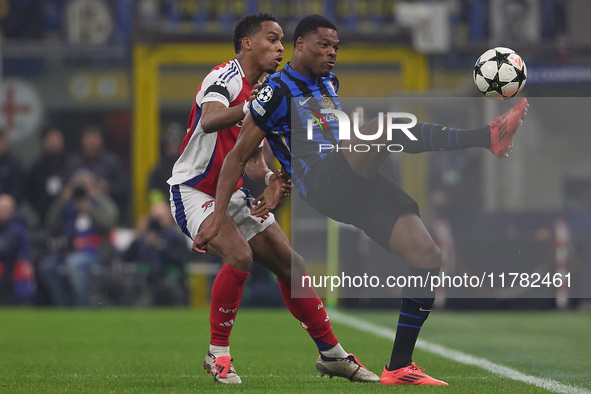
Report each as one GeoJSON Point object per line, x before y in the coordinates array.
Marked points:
{"type": "Point", "coordinates": [500, 73]}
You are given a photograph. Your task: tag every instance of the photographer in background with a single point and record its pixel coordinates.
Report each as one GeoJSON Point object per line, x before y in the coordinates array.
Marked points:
{"type": "Point", "coordinates": [160, 253]}
{"type": "Point", "coordinates": [110, 175]}
{"type": "Point", "coordinates": [80, 223]}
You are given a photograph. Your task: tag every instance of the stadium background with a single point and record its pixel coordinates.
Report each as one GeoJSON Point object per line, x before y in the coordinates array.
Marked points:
{"type": "Point", "coordinates": [133, 67]}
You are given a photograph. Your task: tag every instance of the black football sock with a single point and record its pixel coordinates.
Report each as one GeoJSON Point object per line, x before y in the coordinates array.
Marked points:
{"type": "Point", "coordinates": [436, 137]}
{"type": "Point", "coordinates": [414, 310]}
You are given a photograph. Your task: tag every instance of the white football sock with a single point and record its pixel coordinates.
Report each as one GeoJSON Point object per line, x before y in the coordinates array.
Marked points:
{"type": "Point", "coordinates": [336, 351]}
{"type": "Point", "coordinates": [219, 351]}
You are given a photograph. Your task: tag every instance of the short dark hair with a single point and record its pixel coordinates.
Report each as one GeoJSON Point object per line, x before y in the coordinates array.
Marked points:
{"type": "Point", "coordinates": [310, 24]}
{"type": "Point", "coordinates": [249, 25]}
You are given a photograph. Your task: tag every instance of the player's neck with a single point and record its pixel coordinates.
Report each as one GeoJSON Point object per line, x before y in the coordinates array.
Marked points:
{"type": "Point", "coordinates": [298, 67]}
{"type": "Point", "coordinates": [252, 73]}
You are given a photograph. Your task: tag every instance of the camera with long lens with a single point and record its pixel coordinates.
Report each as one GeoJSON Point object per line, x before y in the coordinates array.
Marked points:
{"type": "Point", "coordinates": [79, 193]}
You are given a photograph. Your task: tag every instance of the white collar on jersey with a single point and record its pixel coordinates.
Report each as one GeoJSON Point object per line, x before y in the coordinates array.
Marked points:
{"type": "Point", "coordinates": [239, 66]}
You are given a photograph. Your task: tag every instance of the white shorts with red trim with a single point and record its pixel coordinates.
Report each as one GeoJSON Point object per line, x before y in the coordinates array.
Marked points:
{"type": "Point", "coordinates": [190, 207]}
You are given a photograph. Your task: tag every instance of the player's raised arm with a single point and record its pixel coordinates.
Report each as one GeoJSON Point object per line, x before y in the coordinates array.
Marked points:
{"type": "Point", "coordinates": [248, 141]}
{"type": "Point", "coordinates": [216, 116]}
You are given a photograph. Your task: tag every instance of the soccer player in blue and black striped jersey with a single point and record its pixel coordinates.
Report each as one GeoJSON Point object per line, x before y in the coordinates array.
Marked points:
{"type": "Point", "coordinates": [345, 185]}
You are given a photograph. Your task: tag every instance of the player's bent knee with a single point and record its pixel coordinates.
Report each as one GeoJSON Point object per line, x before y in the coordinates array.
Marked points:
{"type": "Point", "coordinates": [241, 261]}
{"type": "Point", "coordinates": [298, 265]}
{"type": "Point", "coordinates": [424, 256]}
{"type": "Point", "coordinates": [284, 273]}
{"type": "Point", "coordinates": [435, 257]}
{"type": "Point", "coordinates": [428, 257]}
{"type": "Point", "coordinates": [284, 270]}
{"type": "Point", "coordinates": [295, 267]}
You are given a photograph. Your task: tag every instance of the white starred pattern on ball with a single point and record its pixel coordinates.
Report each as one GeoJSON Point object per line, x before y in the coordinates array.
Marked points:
{"type": "Point", "coordinates": [500, 73]}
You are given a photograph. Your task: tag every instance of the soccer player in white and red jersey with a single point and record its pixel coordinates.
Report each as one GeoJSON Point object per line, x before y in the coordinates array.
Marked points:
{"type": "Point", "coordinates": [214, 124]}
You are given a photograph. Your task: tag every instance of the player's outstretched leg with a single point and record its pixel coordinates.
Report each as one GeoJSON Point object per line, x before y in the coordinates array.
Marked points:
{"type": "Point", "coordinates": [504, 127]}
{"type": "Point", "coordinates": [221, 368]}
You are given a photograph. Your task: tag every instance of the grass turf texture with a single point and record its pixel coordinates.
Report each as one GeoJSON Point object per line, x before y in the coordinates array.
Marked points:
{"type": "Point", "coordinates": [161, 350]}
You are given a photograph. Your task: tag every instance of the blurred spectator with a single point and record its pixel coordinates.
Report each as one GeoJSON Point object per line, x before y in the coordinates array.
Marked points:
{"type": "Point", "coordinates": [11, 170]}
{"type": "Point", "coordinates": [17, 285]}
{"type": "Point", "coordinates": [158, 188]}
{"type": "Point", "coordinates": [161, 253]}
{"type": "Point", "coordinates": [83, 218]}
{"type": "Point", "coordinates": [47, 176]}
{"type": "Point", "coordinates": [110, 175]}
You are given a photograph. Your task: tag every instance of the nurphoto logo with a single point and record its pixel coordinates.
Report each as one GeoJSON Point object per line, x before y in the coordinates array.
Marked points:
{"type": "Point", "coordinates": [392, 120]}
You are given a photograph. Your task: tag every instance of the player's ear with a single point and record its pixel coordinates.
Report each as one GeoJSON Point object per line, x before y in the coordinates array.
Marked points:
{"type": "Point", "coordinates": [299, 43]}
{"type": "Point", "coordinates": [246, 43]}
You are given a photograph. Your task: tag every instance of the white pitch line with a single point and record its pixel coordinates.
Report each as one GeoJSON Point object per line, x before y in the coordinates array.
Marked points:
{"type": "Point", "coordinates": [548, 384]}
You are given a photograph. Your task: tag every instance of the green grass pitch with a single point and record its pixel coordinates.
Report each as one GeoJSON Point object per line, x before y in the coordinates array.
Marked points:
{"type": "Point", "coordinates": [161, 350]}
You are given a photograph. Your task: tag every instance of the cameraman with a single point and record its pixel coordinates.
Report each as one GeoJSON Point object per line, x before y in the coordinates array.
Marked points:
{"type": "Point", "coordinates": [83, 217]}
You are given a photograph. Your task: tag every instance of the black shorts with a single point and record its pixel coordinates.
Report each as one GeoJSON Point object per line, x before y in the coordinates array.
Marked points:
{"type": "Point", "coordinates": [372, 205]}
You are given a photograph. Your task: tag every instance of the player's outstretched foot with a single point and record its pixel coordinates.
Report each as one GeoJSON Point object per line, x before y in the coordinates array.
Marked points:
{"type": "Point", "coordinates": [348, 368]}
{"type": "Point", "coordinates": [221, 368]}
{"type": "Point", "coordinates": [410, 374]}
{"type": "Point", "coordinates": [504, 127]}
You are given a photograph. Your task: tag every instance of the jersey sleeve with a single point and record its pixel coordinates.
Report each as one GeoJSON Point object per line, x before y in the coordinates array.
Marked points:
{"type": "Point", "coordinates": [270, 108]}
{"type": "Point", "coordinates": [221, 85]}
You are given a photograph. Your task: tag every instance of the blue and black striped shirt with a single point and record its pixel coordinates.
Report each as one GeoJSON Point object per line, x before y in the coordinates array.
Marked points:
{"type": "Point", "coordinates": [283, 108]}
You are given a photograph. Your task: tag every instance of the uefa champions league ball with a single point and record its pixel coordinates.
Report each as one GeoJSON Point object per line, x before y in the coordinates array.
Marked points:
{"type": "Point", "coordinates": [500, 73]}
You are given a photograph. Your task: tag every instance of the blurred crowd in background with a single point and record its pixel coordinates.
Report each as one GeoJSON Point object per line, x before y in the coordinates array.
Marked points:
{"type": "Point", "coordinates": [57, 222]}
{"type": "Point", "coordinates": [69, 235]}
{"type": "Point", "coordinates": [120, 21]}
